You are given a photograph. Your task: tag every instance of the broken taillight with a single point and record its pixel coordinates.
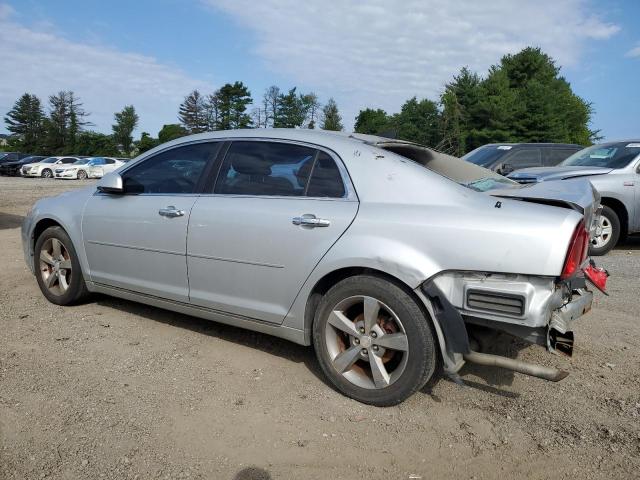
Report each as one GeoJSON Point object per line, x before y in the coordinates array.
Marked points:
{"type": "Point", "coordinates": [597, 276]}
{"type": "Point", "coordinates": [577, 252]}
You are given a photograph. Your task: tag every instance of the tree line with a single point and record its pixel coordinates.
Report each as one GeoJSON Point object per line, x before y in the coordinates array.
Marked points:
{"type": "Point", "coordinates": [521, 99]}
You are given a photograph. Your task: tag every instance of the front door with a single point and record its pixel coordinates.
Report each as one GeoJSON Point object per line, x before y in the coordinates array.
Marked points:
{"type": "Point", "coordinates": [277, 208]}
{"type": "Point", "coordinates": [137, 240]}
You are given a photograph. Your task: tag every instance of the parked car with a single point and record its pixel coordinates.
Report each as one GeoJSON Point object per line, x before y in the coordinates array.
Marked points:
{"type": "Point", "coordinates": [13, 168]}
{"type": "Point", "coordinates": [385, 255]}
{"type": "Point", "coordinates": [44, 168]}
{"type": "Point", "coordinates": [11, 156]}
{"type": "Point", "coordinates": [613, 168]}
{"type": "Point", "coordinates": [89, 167]}
{"type": "Point", "coordinates": [504, 158]}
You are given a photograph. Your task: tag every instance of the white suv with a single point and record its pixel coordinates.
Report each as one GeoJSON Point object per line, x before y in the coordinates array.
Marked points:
{"type": "Point", "coordinates": [45, 167]}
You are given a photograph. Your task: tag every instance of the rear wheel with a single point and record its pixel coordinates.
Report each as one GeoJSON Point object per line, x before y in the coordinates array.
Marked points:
{"type": "Point", "coordinates": [373, 341]}
{"type": "Point", "coordinates": [609, 232]}
{"type": "Point", "coordinates": [57, 268]}
{"type": "Point", "coordinates": [46, 173]}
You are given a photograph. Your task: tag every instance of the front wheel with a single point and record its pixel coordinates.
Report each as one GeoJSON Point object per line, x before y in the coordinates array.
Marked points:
{"type": "Point", "coordinates": [82, 175]}
{"type": "Point", "coordinates": [373, 341]}
{"type": "Point", "coordinates": [609, 229]}
{"type": "Point", "coordinates": [57, 268]}
{"type": "Point", "coordinates": [46, 173]}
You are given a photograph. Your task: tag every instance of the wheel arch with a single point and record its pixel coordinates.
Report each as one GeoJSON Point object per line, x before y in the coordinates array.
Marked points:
{"type": "Point", "coordinates": [40, 226]}
{"type": "Point", "coordinates": [324, 284]}
{"type": "Point", "coordinates": [621, 210]}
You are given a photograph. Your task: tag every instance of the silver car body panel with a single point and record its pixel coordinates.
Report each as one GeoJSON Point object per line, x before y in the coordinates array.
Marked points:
{"type": "Point", "coordinates": [242, 261]}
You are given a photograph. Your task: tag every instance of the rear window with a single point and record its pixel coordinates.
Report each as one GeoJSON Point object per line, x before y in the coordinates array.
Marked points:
{"type": "Point", "coordinates": [487, 155]}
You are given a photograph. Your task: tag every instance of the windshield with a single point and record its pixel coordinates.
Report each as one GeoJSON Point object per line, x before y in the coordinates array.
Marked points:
{"type": "Point", "coordinates": [617, 155]}
{"type": "Point", "coordinates": [491, 183]}
{"type": "Point", "coordinates": [487, 155]}
{"type": "Point", "coordinates": [50, 160]}
{"type": "Point", "coordinates": [96, 161]}
{"type": "Point", "coordinates": [82, 161]}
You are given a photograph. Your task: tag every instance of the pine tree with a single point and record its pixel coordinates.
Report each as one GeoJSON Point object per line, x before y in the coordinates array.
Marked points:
{"type": "Point", "coordinates": [65, 122]}
{"type": "Point", "coordinates": [26, 121]}
{"type": "Point", "coordinates": [126, 122]}
{"type": "Point", "coordinates": [192, 113]}
{"type": "Point", "coordinates": [331, 119]}
{"type": "Point", "coordinates": [233, 100]}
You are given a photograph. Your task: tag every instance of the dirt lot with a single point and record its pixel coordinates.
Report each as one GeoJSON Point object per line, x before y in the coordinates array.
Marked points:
{"type": "Point", "coordinates": [117, 390]}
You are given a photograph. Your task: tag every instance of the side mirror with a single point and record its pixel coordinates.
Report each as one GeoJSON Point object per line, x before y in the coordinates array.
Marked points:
{"type": "Point", "coordinates": [111, 183]}
{"type": "Point", "coordinates": [506, 169]}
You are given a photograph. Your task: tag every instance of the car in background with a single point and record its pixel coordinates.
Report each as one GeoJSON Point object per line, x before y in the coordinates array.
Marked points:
{"type": "Point", "coordinates": [44, 168]}
{"type": "Point", "coordinates": [11, 156]}
{"type": "Point", "coordinates": [504, 158]}
{"type": "Point", "coordinates": [89, 167]}
{"type": "Point", "coordinates": [13, 168]}
{"type": "Point", "coordinates": [407, 253]}
{"type": "Point", "coordinates": [613, 168]}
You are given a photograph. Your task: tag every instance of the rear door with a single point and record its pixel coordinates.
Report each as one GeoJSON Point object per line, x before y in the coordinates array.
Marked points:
{"type": "Point", "coordinates": [275, 210]}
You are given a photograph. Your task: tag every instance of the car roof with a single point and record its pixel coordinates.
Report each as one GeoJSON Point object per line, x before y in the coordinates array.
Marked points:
{"type": "Point", "coordinates": [535, 144]}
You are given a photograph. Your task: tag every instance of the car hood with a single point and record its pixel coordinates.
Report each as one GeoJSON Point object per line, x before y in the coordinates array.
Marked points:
{"type": "Point", "coordinates": [579, 195]}
{"type": "Point", "coordinates": [543, 174]}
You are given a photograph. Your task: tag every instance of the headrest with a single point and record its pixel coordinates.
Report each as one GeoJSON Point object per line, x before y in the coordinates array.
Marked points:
{"type": "Point", "coordinates": [250, 164]}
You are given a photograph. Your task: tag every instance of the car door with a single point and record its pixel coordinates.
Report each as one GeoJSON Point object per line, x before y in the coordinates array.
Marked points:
{"type": "Point", "coordinates": [137, 240]}
{"type": "Point", "coordinates": [275, 210]}
{"type": "Point", "coordinates": [522, 158]}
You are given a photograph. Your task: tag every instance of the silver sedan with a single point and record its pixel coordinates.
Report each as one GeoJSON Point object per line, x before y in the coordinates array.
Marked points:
{"type": "Point", "coordinates": [388, 257]}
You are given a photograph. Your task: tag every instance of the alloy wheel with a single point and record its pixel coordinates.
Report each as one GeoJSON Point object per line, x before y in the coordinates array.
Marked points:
{"type": "Point", "coordinates": [366, 342]}
{"type": "Point", "coordinates": [606, 231]}
{"type": "Point", "coordinates": [46, 173]}
{"type": "Point", "coordinates": [82, 175]}
{"type": "Point", "coordinates": [55, 266]}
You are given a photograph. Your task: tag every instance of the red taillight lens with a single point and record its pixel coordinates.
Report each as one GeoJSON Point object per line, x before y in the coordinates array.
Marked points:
{"type": "Point", "coordinates": [577, 251]}
{"type": "Point", "coordinates": [597, 276]}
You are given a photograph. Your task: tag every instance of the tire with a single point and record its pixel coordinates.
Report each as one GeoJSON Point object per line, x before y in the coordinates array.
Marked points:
{"type": "Point", "coordinates": [610, 223]}
{"type": "Point", "coordinates": [46, 173]}
{"type": "Point", "coordinates": [351, 362]}
{"type": "Point", "coordinates": [82, 175]}
{"type": "Point", "coordinates": [58, 258]}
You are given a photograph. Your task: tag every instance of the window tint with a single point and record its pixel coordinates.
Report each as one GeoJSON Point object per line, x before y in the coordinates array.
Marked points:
{"type": "Point", "coordinates": [556, 155]}
{"type": "Point", "coordinates": [173, 171]}
{"type": "Point", "coordinates": [109, 161]}
{"type": "Point", "coordinates": [326, 180]}
{"type": "Point", "coordinates": [265, 168]}
{"type": "Point", "coordinates": [68, 160]}
{"type": "Point", "coordinates": [528, 157]}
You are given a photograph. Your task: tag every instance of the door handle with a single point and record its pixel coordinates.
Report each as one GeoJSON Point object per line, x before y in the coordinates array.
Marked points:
{"type": "Point", "coordinates": [171, 212]}
{"type": "Point", "coordinates": [310, 220]}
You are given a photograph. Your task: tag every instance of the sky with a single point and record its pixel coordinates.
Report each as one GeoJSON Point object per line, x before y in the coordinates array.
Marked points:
{"type": "Point", "coordinates": [363, 53]}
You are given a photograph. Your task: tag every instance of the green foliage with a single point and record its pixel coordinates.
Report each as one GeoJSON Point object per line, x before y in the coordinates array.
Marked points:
{"type": "Point", "coordinates": [26, 122]}
{"type": "Point", "coordinates": [418, 121]}
{"type": "Point", "coordinates": [331, 119]}
{"type": "Point", "coordinates": [372, 122]}
{"type": "Point", "coordinates": [95, 144]}
{"type": "Point", "coordinates": [171, 132]}
{"type": "Point", "coordinates": [232, 102]}
{"type": "Point", "coordinates": [522, 99]}
{"type": "Point", "coordinates": [65, 122]}
{"type": "Point", "coordinates": [146, 142]}
{"type": "Point", "coordinates": [193, 113]}
{"type": "Point", "coordinates": [126, 122]}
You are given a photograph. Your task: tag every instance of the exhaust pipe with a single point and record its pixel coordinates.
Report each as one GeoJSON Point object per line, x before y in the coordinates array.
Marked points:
{"type": "Point", "coordinates": [546, 373]}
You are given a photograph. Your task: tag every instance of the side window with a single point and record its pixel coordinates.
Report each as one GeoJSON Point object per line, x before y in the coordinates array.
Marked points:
{"type": "Point", "coordinates": [528, 157]}
{"type": "Point", "coordinates": [68, 160]}
{"type": "Point", "coordinates": [326, 180]}
{"type": "Point", "coordinates": [173, 171]}
{"type": "Point", "coordinates": [109, 161]}
{"type": "Point", "coordinates": [265, 168]}
{"type": "Point", "coordinates": [556, 155]}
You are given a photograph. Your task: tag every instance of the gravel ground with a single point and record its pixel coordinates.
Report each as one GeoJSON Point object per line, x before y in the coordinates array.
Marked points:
{"type": "Point", "coordinates": [116, 390]}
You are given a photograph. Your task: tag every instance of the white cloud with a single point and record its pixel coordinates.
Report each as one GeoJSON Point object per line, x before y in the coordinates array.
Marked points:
{"type": "Point", "coordinates": [42, 62]}
{"type": "Point", "coordinates": [634, 52]}
{"type": "Point", "coordinates": [381, 52]}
